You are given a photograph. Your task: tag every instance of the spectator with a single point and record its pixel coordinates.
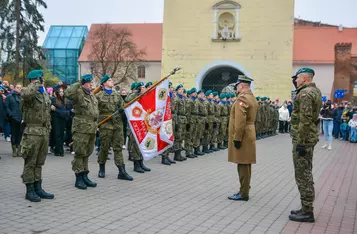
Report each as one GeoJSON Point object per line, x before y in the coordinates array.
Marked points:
{"type": "Point", "coordinates": [353, 126]}
{"type": "Point", "coordinates": [2, 107]}
{"type": "Point", "coordinates": [60, 114]}
{"type": "Point", "coordinates": [327, 121]}
{"type": "Point", "coordinates": [15, 119]}
{"type": "Point", "coordinates": [337, 117]}
{"type": "Point", "coordinates": [344, 129]}
{"type": "Point", "coordinates": [6, 126]}
{"type": "Point", "coordinates": [283, 118]}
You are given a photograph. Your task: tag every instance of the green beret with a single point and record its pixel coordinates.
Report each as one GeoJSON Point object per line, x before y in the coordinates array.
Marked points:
{"type": "Point", "coordinates": [148, 84]}
{"type": "Point", "coordinates": [222, 95]}
{"type": "Point", "coordinates": [258, 98]}
{"type": "Point", "coordinates": [170, 84]}
{"type": "Point", "coordinates": [104, 79]}
{"type": "Point", "coordinates": [304, 70]}
{"type": "Point", "coordinates": [86, 78]}
{"type": "Point", "coordinates": [35, 74]}
{"type": "Point", "coordinates": [189, 92]}
{"type": "Point", "coordinates": [208, 92]}
{"type": "Point", "coordinates": [193, 90]}
{"type": "Point", "coordinates": [215, 93]}
{"type": "Point", "coordinates": [232, 95]}
{"type": "Point", "coordinates": [133, 85]}
{"type": "Point", "coordinates": [184, 90]}
{"type": "Point", "coordinates": [178, 87]}
{"type": "Point", "coordinates": [244, 79]}
{"type": "Point", "coordinates": [200, 91]}
{"type": "Point", "coordinates": [138, 85]}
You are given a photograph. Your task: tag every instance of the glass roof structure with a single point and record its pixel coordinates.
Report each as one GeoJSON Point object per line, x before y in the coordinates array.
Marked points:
{"type": "Point", "coordinates": [62, 47]}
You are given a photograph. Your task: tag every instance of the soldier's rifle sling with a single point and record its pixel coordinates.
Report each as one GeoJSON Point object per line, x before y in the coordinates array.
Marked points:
{"type": "Point", "coordinates": [138, 97]}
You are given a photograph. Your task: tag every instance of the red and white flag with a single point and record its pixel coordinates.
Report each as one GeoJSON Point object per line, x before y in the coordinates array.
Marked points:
{"type": "Point", "coordinates": [150, 121]}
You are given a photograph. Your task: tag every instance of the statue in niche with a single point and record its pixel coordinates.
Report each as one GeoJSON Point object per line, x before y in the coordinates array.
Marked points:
{"type": "Point", "coordinates": [226, 30]}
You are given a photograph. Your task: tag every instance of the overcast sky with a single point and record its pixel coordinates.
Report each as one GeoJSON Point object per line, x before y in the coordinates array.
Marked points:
{"type": "Point", "coordinates": [86, 12]}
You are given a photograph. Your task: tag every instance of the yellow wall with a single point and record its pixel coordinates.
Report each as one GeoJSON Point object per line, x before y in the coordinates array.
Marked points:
{"type": "Point", "coordinates": [265, 48]}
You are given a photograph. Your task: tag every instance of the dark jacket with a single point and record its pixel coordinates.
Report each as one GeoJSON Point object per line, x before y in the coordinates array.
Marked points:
{"type": "Point", "coordinates": [13, 107]}
{"type": "Point", "coordinates": [62, 109]}
{"type": "Point", "coordinates": [337, 115]}
{"type": "Point", "coordinates": [327, 112]}
{"type": "Point", "coordinates": [2, 112]}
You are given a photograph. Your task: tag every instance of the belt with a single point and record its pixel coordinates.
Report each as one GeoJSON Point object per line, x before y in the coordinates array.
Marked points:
{"type": "Point", "coordinates": [35, 125]}
{"type": "Point", "coordinates": [86, 117]}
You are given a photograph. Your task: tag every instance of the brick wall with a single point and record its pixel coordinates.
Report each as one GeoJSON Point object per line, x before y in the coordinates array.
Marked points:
{"type": "Point", "coordinates": [353, 75]}
{"type": "Point", "coordinates": [342, 79]}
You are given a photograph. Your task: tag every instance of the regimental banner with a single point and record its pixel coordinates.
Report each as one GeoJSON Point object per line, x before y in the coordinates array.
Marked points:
{"type": "Point", "coordinates": [150, 120]}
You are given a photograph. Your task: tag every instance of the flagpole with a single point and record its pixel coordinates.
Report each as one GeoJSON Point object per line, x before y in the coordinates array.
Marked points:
{"type": "Point", "coordinates": [138, 97]}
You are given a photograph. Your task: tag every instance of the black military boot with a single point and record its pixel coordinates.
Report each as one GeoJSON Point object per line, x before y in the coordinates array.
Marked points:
{"type": "Point", "coordinates": [213, 148]}
{"type": "Point", "coordinates": [101, 173]}
{"type": "Point", "coordinates": [220, 146]}
{"type": "Point", "coordinates": [87, 181]}
{"type": "Point", "coordinates": [137, 167]}
{"type": "Point", "coordinates": [295, 211]}
{"type": "Point", "coordinates": [303, 216]}
{"type": "Point", "coordinates": [205, 149]}
{"type": "Point", "coordinates": [141, 162]}
{"type": "Point", "coordinates": [40, 192]}
{"type": "Point", "coordinates": [164, 160]}
{"type": "Point", "coordinates": [122, 174]}
{"type": "Point", "coordinates": [178, 156]}
{"type": "Point", "coordinates": [79, 181]}
{"type": "Point", "coordinates": [170, 160]}
{"type": "Point", "coordinates": [130, 158]}
{"type": "Point", "coordinates": [198, 152]}
{"type": "Point", "coordinates": [30, 193]}
{"type": "Point", "coordinates": [189, 154]}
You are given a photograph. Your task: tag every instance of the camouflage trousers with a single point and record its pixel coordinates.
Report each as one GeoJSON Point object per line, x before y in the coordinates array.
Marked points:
{"type": "Point", "coordinates": [34, 151]}
{"type": "Point", "coordinates": [189, 136]}
{"type": "Point", "coordinates": [216, 128]}
{"type": "Point", "coordinates": [179, 133]}
{"type": "Point", "coordinates": [222, 131]}
{"type": "Point", "coordinates": [83, 145]}
{"type": "Point", "coordinates": [303, 177]}
{"type": "Point", "coordinates": [133, 148]}
{"type": "Point", "coordinates": [114, 138]}
{"type": "Point", "coordinates": [208, 134]}
{"type": "Point", "coordinates": [200, 130]}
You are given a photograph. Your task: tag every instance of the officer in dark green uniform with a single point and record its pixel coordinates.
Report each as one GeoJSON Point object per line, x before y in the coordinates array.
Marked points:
{"type": "Point", "coordinates": [35, 108]}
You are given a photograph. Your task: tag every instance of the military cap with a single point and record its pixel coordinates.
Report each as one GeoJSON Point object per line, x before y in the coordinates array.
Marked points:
{"type": "Point", "coordinates": [258, 98]}
{"type": "Point", "coordinates": [178, 87]}
{"type": "Point", "coordinates": [215, 93]}
{"type": "Point", "coordinates": [189, 92]}
{"type": "Point", "coordinates": [133, 85]}
{"type": "Point", "coordinates": [208, 92]}
{"type": "Point", "coordinates": [200, 91]}
{"type": "Point", "coordinates": [244, 79]}
{"type": "Point", "coordinates": [138, 85]}
{"type": "Point", "coordinates": [304, 70]}
{"type": "Point", "coordinates": [170, 84]}
{"type": "Point", "coordinates": [104, 79]}
{"type": "Point", "coordinates": [35, 74]}
{"type": "Point", "coordinates": [148, 84]}
{"type": "Point", "coordinates": [222, 95]}
{"type": "Point", "coordinates": [86, 78]}
{"type": "Point", "coordinates": [193, 90]}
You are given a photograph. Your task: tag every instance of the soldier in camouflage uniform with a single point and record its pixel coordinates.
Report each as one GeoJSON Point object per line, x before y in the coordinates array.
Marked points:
{"type": "Point", "coordinates": [201, 121]}
{"type": "Point", "coordinates": [304, 133]}
{"type": "Point", "coordinates": [191, 111]}
{"type": "Point", "coordinates": [111, 132]}
{"type": "Point", "coordinates": [133, 147]}
{"type": "Point", "coordinates": [217, 121]}
{"type": "Point", "coordinates": [35, 108]}
{"type": "Point", "coordinates": [224, 121]}
{"type": "Point", "coordinates": [84, 128]}
{"type": "Point", "coordinates": [208, 147]}
{"type": "Point", "coordinates": [229, 106]}
{"type": "Point", "coordinates": [181, 122]}
{"type": "Point", "coordinates": [258, 119]}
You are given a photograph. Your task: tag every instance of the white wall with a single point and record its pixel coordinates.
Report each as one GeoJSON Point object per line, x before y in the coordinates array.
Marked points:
{"type": "Point", "coordinates": [324, 76]}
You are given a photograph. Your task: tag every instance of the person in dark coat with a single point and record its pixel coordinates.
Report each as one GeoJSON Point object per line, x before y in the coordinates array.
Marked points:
{"type": "Point", "coordinates": [337, 118]}
{"type": "Point", "coordinates": [2, 108]}
{"type": "Point", "coordinates": [60, 113]}
{"type": "Point", "coordinates": [13, 111]}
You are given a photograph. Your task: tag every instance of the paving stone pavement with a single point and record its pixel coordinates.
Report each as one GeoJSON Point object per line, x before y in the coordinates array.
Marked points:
{"type": "Point", "coordinates": [189, 197]}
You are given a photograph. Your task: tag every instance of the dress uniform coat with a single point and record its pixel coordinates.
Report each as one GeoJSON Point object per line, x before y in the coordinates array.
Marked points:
{"type": "Point", "coordinates": [241, 128]}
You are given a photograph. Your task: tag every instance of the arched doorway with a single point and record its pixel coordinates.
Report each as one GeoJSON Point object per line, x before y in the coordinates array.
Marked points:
{"type": "Point", "coordinates": [219, 74]}
{"type": "Point", "coordinates": [219, 78]}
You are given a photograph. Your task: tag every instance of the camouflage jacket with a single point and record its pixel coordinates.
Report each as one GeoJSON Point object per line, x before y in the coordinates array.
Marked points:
{"type": "Point", "coordinates": [180, 109]}
{"type": "Point", "coordinates": [306, 108]}
{"type": "Point", "coordinates": [192, 107]}
{"type": "Point", "coordinates": [85, 108]}
{"type": "Point", "coordinates": [210, 108]}
{"type": "Point", "coordinates": [107, 105]}
{"type": "Point", "coordinates": [35, 108]}
{"type": "Point", "coordinates": [217, 111]}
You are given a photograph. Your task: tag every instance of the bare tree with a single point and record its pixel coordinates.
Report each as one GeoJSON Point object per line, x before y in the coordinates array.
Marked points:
{"type": "Point", "coordinates": [113, 52]}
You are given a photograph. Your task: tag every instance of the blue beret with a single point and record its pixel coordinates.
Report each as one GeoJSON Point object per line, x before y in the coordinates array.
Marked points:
{"type": "Point", "coordinates": [138, 85]}
{"type": "Point", "coordinates": [104, 79]}
{"type": "Point", "coordinates": [193, 90]}
{"type": "Point", "coordinates": [148, 84]}
{"type": "Point", "coordinates": [86, 78]}
{"type": "Point", "coordinates": [35, 74]}
{"type": "Point", "coordinates": [200, 91]}
{"type": "Point", "coordinates": [208, 92]}
{"type": "Point", "coordinates": [223, 95]}
{"type": "Point", "coordinates": [178, 87]}
{"type": "Point", "coordinates": [304, 70]}
{"type": "Point", "coordinates": [133, 85]}
{"type": "Point", "coordinates": [215, 93]}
